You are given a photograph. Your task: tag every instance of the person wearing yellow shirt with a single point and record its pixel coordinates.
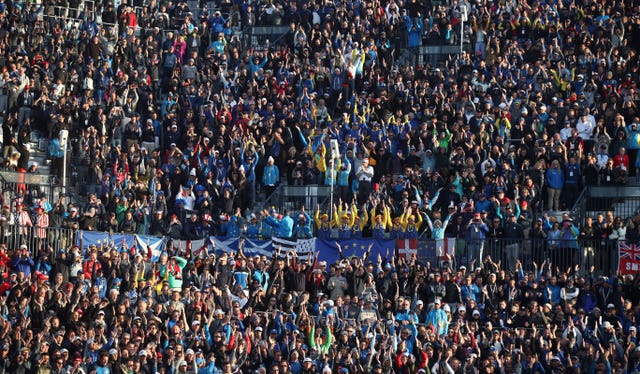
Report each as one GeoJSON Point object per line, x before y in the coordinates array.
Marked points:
{"type": "Point", "coordinates": [379, 222]}
{"type": "Point", "coordinates": [358, 223]}
{"type": "Point", "coordinates": [411, 224]}
{"type": "Point", "coordinates": [323, 224]}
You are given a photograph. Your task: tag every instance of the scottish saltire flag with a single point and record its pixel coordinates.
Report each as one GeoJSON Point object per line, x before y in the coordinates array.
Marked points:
{"type": "Point", "coordinates": [251, 247]}
{"type": "Point", "coordinates": [144, 243]}
{"type": "Point", "coordinates": [328, 249]}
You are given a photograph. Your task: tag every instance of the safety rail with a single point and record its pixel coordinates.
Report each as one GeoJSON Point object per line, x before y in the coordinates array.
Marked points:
{"type": "Point", "coordinates": [28, 186]}
{"type": "Point", "coordinates": [291, 198]}
{"type": "Point", "coordinates": [580, 257]}
{"type": "Point", "coordinates": [53, 239]}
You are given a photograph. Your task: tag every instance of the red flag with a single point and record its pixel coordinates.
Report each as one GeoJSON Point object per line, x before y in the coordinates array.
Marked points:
{"type": "Point", "coordinates": [407, 248]}
{"type": "Point", "coordinates": [629, 258]}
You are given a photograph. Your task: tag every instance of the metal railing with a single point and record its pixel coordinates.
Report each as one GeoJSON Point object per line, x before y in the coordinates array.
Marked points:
{"type": "Point", "coordinates": [291, 198]}
{"type": "Point", "coordinates": [37, 238]}
{"type": "Point", "coordinates": [624, 201]}
{"type": "Point", "coordinates": [434, 54]}
{"type": "Point", "coordinates": [28, 186]}
{"type": "Point", "coordinates": [259, 35]}
{"type": "Point", "coordinates": [601, 255]}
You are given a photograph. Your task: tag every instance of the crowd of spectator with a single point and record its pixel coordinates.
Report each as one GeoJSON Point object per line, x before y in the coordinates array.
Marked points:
{"type": "Point", "coordinates": [178, 126]}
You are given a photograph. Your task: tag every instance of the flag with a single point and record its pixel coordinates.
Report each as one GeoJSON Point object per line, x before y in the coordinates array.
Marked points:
{"type": "Point", "coordinates": [444, 247]}
{"type": "Point", "coordinates": [257, 248]}
{"type": "Point", "coordinates": [86, 239]}
{"type": "Point", "coordinates": [407, 248]}
{"type": "Point", "coordinates": [304, 248]}
{"type": "Point", "coordinates": [629, 258]}
{"type": "Point", "coordinates": [225, 245]}
{"type": "Point", "coordinates": [328, 249]}
{"type": "Point", "coordinates": [427, 252]}
{"type": "Point", "coordinates": [144, 243]}
{"type": "Point", "coordinates": [251, 247]}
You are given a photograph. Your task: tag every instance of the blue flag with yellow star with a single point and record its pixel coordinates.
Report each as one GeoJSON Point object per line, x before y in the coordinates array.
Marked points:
{"type": "Point", "coordinates": [328, 249]}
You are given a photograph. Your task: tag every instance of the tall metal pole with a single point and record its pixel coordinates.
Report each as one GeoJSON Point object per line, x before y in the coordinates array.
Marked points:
{"type": "Point", "coordinates": [331, 198]}
{"type": "Point", "coordinates": [64, 139]}
{"type": "Point", "coordinates": [463, 19]}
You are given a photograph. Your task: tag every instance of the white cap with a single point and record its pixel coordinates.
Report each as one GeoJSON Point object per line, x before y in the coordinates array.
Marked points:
{"type": "Point", "coordinates": [190, 352]}
{"type": "Point", "coordinates": [192, 172]}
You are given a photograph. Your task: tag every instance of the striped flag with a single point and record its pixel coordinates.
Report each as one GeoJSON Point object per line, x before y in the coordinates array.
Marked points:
{"type": "Point", "coordinates": [305, 248]}
{"type": "Point", "coordinates": [446, 246]}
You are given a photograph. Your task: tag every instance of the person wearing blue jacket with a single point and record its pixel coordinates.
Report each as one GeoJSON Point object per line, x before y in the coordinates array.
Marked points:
{"type": "Point", "coordinates": [282, 225]}
{"type": "Point", "coordinates": [572, 177]}
{"type": "Point", "coordinates": [477, 231]}
{"type": "Point", "coordinates": [302, 228]}
{"type": "Point", "coordinates": [555, 181]}
{"type": "Point", "coordinates": [270, 177]}
{"type": "Point", "coordinates": [252, 228]}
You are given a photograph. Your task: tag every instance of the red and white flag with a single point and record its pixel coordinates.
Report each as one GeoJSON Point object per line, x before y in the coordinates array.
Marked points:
{"type": "Point", "coordinates": [407, 248]}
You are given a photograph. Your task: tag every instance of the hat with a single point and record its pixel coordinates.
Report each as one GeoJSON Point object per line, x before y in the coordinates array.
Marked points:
{"type": "Point", "coordinates": [476, 312]}
{"type": "Point", "coordinates": [258, 328]}
{"type": "Point", "coordinates": [112, 351]}
{"type": "Point", "coordinates": [142, 353]}
{"type": "Point", "coordinates": [190, 352]}
{"type": "Point", "coordinates": [606, 325]}
{"type": "Point", "coordinates": [611, 306]}
{"type": "Point", "coordinates": [307, 359]}
{"type": "Point", "coordinates": [183, 363]}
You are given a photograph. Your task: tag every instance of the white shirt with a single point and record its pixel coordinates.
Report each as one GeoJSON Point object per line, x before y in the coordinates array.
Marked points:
{"type": "Point", "coordinates": [585, 128]}
{"type": "Point", "coordinates": [565, 133]}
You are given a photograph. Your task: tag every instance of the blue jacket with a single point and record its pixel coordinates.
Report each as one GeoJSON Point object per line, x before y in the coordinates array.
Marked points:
{"type": "Point", "coordinates": [302, 229]}
{"type": "Point", "coordinates": [555, 178]}
{"type": "Point", "coordinates": [253, 230]}
{"type": "Point", "coordinates": [414, 27]}
{"type": "Point", "coordinates": [477, 231]}
{"type": "Point", "coordinates": [572, 173]}
{"type": "Point", "coordinates": [282, 228]}
{"type": "Point", "coordinates": [271, 175]}
{"type": "Point", "coordinates": [23, 264]}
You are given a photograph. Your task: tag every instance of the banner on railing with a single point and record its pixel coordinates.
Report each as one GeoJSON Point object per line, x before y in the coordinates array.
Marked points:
{"type": "Point", "coordinates": [629, 258]}
{"type": "Point", "coordinates": [328, 250]}
{"type": "Point", "coordinates": [135, 243]}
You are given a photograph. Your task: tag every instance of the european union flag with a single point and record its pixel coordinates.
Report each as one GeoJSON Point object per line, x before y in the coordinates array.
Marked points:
{"type": "Point", "coordinates": [328, 249]}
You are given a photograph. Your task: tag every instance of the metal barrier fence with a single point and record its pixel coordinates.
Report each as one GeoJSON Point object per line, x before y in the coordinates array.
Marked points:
{"type": "Point", "coordinates": [623, 201]}
{"type": "Point", "coordinates": [291, 198]}
{"type": "Point", "coordinates": [258, 36]}
{"type": "Point", "coordinates": [58, 238]}
{"type": "Point", "coordinates": [599, 255]}
{"type": "Point", "coordinates": [602, 255]}
{"type": "Point", "coordinates": [28, 186]}
{"type": "Point", "coordinates": [434, 54]}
